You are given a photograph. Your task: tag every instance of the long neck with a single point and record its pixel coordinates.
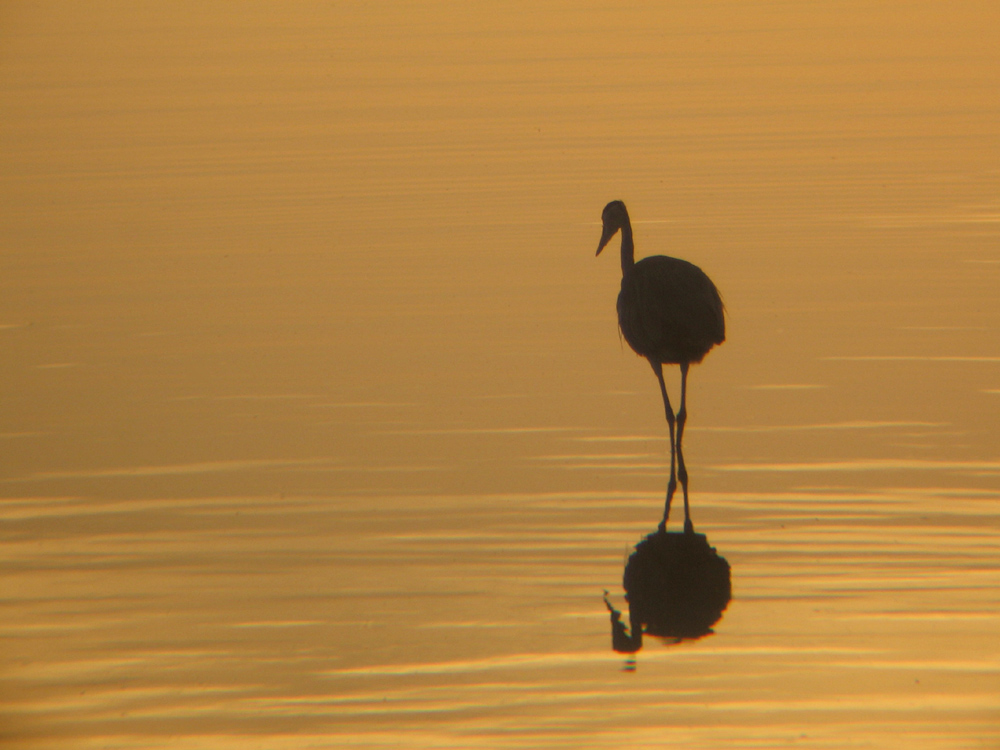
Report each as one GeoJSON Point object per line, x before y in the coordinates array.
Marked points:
{"type": "Point", "coordinates": [628, 249]}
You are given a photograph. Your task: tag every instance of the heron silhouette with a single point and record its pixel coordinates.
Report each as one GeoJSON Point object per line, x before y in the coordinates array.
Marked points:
{"type": "Point", "coordinates": [670, 313]}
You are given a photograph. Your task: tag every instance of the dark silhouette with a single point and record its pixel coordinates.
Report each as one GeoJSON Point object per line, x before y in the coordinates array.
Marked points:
{"type": "Point", "coordinates": [622, 640]}
{"type": "Point", "coordinates": [677, 587]}
{"type": "Point", "coordinates": [670, 313]}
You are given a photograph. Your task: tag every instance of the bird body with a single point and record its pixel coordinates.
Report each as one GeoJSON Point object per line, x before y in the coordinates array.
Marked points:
{"type": "Point", "coordinates": [670, 312]}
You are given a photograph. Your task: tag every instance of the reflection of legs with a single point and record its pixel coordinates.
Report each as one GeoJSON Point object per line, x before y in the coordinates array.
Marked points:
{"type": "Point", "coordinates": [672, 485]}
{"type": "Point", "coordinates": [682, 473]}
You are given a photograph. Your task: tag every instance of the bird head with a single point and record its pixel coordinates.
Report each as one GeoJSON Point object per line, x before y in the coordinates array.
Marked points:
{"type": "Point", "coordinates": [614, 218]}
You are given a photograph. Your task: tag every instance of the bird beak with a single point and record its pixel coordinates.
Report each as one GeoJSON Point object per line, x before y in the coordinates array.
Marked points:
{"type": "Point", "coordinates": [606, 236]}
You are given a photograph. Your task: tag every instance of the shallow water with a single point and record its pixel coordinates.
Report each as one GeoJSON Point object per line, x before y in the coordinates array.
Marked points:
{"type": "Point", "coordinates": [316, 429]}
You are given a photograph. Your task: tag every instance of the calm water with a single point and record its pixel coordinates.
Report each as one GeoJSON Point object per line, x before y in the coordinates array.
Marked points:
{"type": "Point", "coordinates": [316, 430]}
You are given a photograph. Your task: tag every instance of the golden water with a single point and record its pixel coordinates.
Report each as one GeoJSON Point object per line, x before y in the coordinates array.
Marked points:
{"type": "Point", "coordinates": [316, 429]}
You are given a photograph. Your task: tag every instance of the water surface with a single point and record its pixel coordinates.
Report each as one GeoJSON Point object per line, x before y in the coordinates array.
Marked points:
{"type": "Point", "coordinates": [316, 429]}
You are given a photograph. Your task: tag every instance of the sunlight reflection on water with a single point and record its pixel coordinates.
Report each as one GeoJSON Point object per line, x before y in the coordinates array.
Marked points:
{"type": "Point", "coordinates": [317, 430]}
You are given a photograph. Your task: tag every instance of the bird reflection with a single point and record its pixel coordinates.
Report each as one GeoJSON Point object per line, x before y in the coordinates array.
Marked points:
{"type": "Point", "coordinates": [670, 312]}
{"type": "Point", "coordinates": [677, 587]}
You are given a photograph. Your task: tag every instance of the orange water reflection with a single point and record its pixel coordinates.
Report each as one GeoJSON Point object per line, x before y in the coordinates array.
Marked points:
{"type": "Point", "coordinates": [315, 428]}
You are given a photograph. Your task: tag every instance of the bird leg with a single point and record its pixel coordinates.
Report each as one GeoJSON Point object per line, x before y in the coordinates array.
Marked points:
{"type": "Point", "coordinates": [682, 473]}
{"type": "Point", "coordinates": [672, 485]}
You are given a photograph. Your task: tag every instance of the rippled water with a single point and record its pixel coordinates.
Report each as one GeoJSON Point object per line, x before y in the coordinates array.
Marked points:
{"type": "Point", "coordinates": [316, 429]}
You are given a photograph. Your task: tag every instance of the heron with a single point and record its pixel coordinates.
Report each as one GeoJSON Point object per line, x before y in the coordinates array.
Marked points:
{"type": "Point", "coordinates": [669, 312]}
